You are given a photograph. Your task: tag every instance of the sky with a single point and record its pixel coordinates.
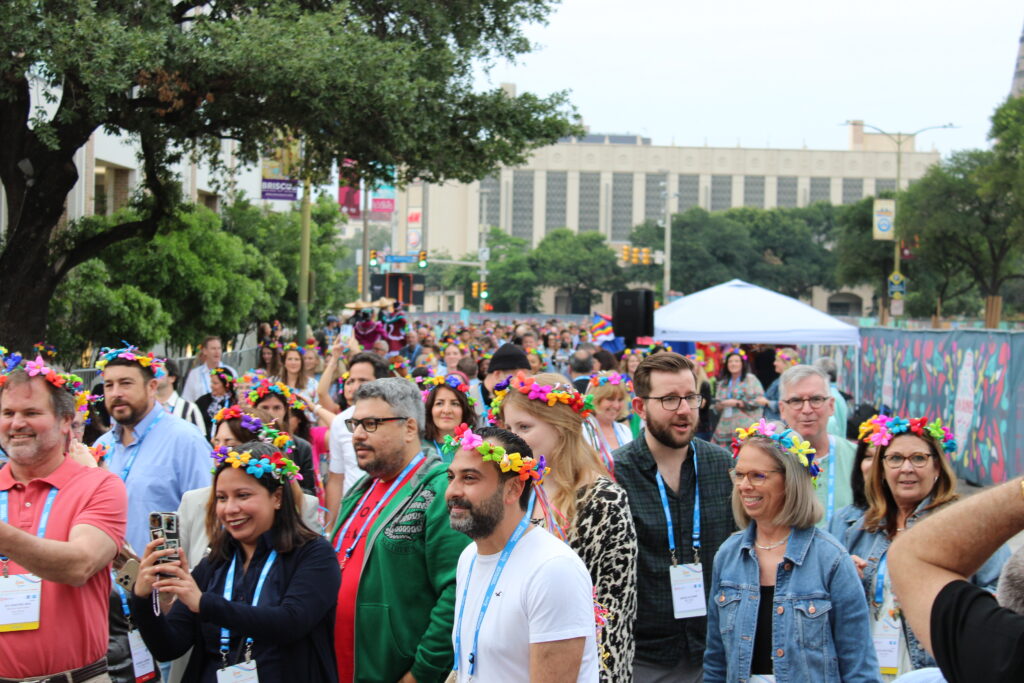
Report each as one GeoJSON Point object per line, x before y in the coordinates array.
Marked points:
{"type": "Point", "coordinates": [782, 74]}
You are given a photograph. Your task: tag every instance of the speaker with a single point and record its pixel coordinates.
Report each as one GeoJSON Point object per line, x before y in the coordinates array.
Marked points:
{"type": "Point", "coordinates": [633, 313]}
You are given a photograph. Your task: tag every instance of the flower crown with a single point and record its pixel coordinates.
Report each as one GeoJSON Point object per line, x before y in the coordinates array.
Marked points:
{"type": "Point", "coordinates": [69, 382]}
{"type": "Point", "coordinates": [881, 429]}
{"type": "Point", "coordinates": [794, 359]}
{"type": "Point", "coordinates": [274, 344]}
{"type": "Point", "coordinates": [292, 346]}
{"type": "Point", "coordinates": [735, 350]}
{"type": "Point", "coordinates": [264, 432]}
{"type": "Point", "coordinates": [527, 468]}
{"type": "Point", "coordinates": [546, 393]}
{"type": "Point", "coordinates": [224, 375]}
{"type": "Point", "coordinates": [44, 349]}
{"type": "Point", "coordinates": [613, 378]}
{"type": "Point", "coordinates": [634, 352]}
{"type": "Point", "coordinates": [697, 360]}
{"type": "Point", "coordinates": [451, 381]}
{"type": "Point", "coordinates": [274, 465]}
{"type": "Point", "coordinates": [397, 363]}
{"type": "Point", "coordinates": [265, 387]}
{"type": "Point", "coordinates": [311, 345]}
{"type": "Point", "coordinates": [132, 353]}
{"type": "Point", "coordinates": [787, 439]}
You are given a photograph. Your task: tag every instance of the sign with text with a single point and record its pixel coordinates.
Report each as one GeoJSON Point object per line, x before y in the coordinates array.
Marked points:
{"type": "Point", "coordinates": [276, 182]}
{"type": "Point", "coordinates": [883, 223]}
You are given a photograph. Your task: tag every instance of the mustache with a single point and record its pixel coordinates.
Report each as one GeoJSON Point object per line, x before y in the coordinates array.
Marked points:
{"type": "Point", "coordinates": [459, 502]}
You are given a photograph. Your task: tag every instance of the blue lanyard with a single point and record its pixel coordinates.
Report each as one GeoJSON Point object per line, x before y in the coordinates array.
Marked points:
{"type": "Point", "coordinates": [229, 585]}
{"type": "Point", "coordinates": [880, 581]}
{"type": "Point", "coordinates": [506, 552]}
{"type": "Point", "coordinates": [373, 513]}
{"type": "Point", "coordinates": [135, 446]}
{"type": "Point", "coordinates": [44, 518]}
{"type": "Point", "coordinates": [124, 599]}
{"type": "Point", "coordinates": [696, 514]}
{"type": "Point", "coordinates": [830, 506]}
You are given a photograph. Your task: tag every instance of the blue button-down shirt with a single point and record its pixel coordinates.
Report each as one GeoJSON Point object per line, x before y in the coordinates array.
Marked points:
{"type": "Point", "coordinates": [172, 458]}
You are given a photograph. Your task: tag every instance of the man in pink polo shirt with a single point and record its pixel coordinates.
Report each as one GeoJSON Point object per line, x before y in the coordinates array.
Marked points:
{"type": "Point", "coordinates": [60, 527]}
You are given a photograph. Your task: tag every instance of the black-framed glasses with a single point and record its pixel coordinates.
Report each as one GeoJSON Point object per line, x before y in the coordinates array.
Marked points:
{"type": "Point", "coordinates": [755, 478]}
{"type": "Point", "coordinates": [671, 403]}
{"type": "Point", "coordinates": [370, 424]}
{"type": "Point", "coordinates": [798, 403]}
{"type": "Point", "coordinates": [896, 460]}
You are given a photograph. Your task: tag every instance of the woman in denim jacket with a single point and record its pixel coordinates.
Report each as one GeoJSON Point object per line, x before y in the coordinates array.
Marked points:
{"type": "Point", "coordinates": [910, 479]}
{"type": "Point", "coordinates": [785, 602]}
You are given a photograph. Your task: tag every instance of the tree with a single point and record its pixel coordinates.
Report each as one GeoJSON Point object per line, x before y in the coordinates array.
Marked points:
{"type": "Point", "coordinates": [861, 260]}
{"type": "Point", "coordinates": [581, 264]}
{"type": "Point", "coordinates": [387, 84]}
{"type": "Point", "coordinates": [511, 268]}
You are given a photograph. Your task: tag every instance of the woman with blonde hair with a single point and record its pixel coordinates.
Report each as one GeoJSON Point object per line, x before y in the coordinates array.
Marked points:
{"type": "Point", "coordinates": [587, 508]}
{"type": "Point", "coordinates": [609, 425]}
{"type": "Point", "coordinates": [785, 358]}
{"type": "Point", "coordinates": [910, 478]}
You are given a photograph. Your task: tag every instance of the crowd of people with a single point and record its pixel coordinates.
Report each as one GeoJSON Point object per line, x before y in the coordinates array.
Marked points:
{"type": "Point", "coordinates": [386, 500]}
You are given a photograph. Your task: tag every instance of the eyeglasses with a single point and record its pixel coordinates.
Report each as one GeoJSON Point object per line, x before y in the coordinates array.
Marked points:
{"type": "Point", "coordinates": [671, 403]}
{"type": "Point", "coordinates": [370, 424]}
{"type": "Point", "coordinates": [755, 478]}
{"type": "Point", "coordinates": [798, 403]}
{"type": "Point", "coordinates": [896, 460]}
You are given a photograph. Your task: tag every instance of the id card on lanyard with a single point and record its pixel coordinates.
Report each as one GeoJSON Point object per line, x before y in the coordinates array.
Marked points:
{"type": "Point", "coordinates": [244, 671]}
{"type": "Point", "coordinates": [142, 661]}
{"type": "Point", "coordinates": [21, 594]}
{"type": "Point", "coordinates": [886, 631]}
{"type": "Point", "coordinates": [686, 580]}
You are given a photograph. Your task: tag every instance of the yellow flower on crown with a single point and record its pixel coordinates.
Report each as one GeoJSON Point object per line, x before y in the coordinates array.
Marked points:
{"type": "Point", "coordinates": [800, 447]}
{"type": "Point", "coordinates": [236, 459]}
{"type": "Point", "coordinates": [744, 434]}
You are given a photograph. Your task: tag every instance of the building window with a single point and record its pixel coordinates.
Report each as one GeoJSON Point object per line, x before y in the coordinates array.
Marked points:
{"type": "Point", "coordinates": [491, 186]}
{"type": "Point", "coordinates": [721, 192]}
{"type": "Point", "coordinates": [853, 190]}
{"type": "Point", "coordinates": [753, 191]}
{"type": "Point", "coordinates": [654, 196]}
{"type": "Point", "coordinates": [689, 191]}
{"type": "Point", "coordinates": [590, 201]}
{"type": "Point", "coordinates": [554, 208]}
{"type": "Point", "coordinates": [821, 190]}
{"type": "Point", "coordinates": [885, 185]}
{"type": "Point", "coordinates": [522, 204]}
{"type": "Point", "coordinates": [622, 206]}
{"type": "Point", "coordinates": [785, 192]}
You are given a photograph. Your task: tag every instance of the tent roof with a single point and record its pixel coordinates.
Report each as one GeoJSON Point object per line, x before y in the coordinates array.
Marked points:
{"type": "Point", "coordinates": [743, 313]}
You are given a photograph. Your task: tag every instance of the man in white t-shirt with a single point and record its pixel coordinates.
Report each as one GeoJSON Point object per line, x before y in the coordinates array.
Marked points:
{"type": "Point", "coordinates": [537, 622]}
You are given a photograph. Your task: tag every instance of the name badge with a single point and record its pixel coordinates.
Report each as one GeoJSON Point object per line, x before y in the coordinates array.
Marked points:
{"type": "Point", "coordinates": [142, 660]}
{"type": "Point", "coordinates": [886, 635]}
{"type": "Point", "coordinates": [19, 602]}
{"type": "Point", "coordinates": [244, 672]}
{"type": "Point", "coordinates": [687, 591]}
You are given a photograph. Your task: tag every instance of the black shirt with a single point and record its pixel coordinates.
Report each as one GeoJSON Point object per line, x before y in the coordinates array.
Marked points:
{"type": "Point", "coordinates": [974, 639]}
{"type": "Point", "coordinates": [761, 660]}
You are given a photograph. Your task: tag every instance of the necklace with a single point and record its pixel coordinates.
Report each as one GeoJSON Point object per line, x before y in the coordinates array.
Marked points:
{"type": "Point", "coordinates": [771, 546]}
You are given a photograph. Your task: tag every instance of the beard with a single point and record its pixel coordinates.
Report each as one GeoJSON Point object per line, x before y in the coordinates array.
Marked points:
{"type": "Point", "coordinates": [134, 415]}
{"type": "Point", "coordinates": [664, 434]}
{"type": "Point", "coordinates": [482, 519]}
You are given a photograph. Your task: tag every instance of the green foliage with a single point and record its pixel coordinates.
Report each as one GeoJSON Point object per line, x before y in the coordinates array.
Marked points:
{"type": "Point", "coordinates": [582, 264]}
{"type": "Point", "coordinates": [861, 260]}
{"type": "Point", "coordinates": [511, 273]}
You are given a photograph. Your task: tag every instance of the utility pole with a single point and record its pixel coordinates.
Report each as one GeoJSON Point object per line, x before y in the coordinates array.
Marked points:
{"type": "Point", "coordinates": [667, 285]}
{"type": "Point", "coordinates": [484, 228]}
{"type": "Point", "coordinates": [300, 334]}
{"type": "Point", "coordinates": [364, 286]}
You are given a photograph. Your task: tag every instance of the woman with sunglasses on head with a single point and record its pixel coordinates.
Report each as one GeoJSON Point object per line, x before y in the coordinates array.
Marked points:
{"type": "Point", "coordinates": [262, 602]}
{"type": "Point", "coordinates": [909, 479]}
{"type": "Point", "coordinates": [785, 602]}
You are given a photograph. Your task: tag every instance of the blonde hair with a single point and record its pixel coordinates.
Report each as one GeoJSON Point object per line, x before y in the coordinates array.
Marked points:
{"type": "Point", "coordinates": [801, 508]}
{"type": "Point", "coordinates": [601, 392]}
{"type": "Point", "coordinates": [574, 463]}
{"type": "Point", "coordinates": [882, 510]}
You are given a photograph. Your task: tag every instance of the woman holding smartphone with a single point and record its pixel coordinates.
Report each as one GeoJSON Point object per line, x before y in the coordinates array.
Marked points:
{"type": "Point", "coordinates": [263, 600]}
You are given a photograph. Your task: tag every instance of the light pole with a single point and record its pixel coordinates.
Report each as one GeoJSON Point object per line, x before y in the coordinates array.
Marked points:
{"type": "Point", "coordinates": [484, 228]}
{"type": "Point", "coordinates": [667, 284]}
{"type": "Point", "coordinates": [899, 139]}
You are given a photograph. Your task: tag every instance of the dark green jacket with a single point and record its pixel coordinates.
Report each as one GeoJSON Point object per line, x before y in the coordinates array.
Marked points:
{"type": "Point", "coordinates": [406, 597]}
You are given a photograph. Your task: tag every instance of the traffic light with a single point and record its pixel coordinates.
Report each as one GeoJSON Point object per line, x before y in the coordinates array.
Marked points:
{"type": "Point", "coordinates": [625, 253]}
{"type": "Point", "coordinates": [373, 257]}
{"type": "Point", "coordinates": [423, 258]}
{"type": "Point", "coordinates": [483, 290]}
{"type": "Point", "coordinates": [635, 256]}
{"type": "Point", "coordinates": [645, 256]}
{"type": "Point", "coordinates": [476, 289]}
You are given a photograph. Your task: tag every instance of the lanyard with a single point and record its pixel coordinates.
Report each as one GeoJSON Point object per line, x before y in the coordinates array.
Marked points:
{"type": "Point", "coordinates": [373, 513]}
{"type": "Point", "coordinates": [506, 552]}
{"type": "Point", "coordinates": [124, 599]}
{"type": "Point", "coordinates": [44, 518]}
{"type": "Point", "coordinates": [880, 581]}
{"type": "Point", "coordinates": [830, 505]}
{"type": "Point", "coordinates": [696, 514]}
{"type": "Point", "coordinates": [229, 585]}
{"type": "Point", "coordinates": [135, 446]}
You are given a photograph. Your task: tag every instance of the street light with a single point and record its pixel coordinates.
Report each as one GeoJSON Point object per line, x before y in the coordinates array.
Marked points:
{"type": "Point", "coordinates": [899, 139]}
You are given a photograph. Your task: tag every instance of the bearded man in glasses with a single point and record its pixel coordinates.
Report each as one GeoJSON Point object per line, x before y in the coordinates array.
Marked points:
{"type": "Point", "coordinates": [806, 404]}
{"type": "Point", "coordinates": [398, 554]}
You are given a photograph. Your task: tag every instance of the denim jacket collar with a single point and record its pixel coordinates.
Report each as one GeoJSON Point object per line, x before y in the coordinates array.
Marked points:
{"type": "Point", "coordinates": [796, 547]}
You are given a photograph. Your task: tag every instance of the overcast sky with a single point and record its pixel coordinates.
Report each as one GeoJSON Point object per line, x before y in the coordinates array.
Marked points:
{"type": "Point", "coordinates": [779, 74]}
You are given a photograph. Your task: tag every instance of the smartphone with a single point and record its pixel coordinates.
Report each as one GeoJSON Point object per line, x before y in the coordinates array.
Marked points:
{"type": "Point", "coordinates": [164, 525]}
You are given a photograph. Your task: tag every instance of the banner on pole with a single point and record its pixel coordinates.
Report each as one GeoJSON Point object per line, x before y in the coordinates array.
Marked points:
{"type": "Point", "coordinates": [276, 171]}
{"type": "Point", "coordinates": [883, 224]}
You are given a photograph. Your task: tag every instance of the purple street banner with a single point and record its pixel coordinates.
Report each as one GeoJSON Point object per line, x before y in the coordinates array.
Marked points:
{"type": "Point", "coordinates": [276, 182]}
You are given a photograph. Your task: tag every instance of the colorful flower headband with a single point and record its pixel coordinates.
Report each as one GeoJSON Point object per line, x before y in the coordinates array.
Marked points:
{"type": "Point", "coordinates": [132, 353]}
{"type": "Point", "coordinates": [9, 361]}
{"type": "Point", "coordinates": [794, 360]}
{"type": "Point", "coordinates": [69, 382]}
{"type": "Point", "coordinates": [881, 429]}
{"type": "Point", "coordinates": [44, 349]}
{"type": "Point", "coordinates": [546, 393]}
{"type": "Point", "coordinates": [292, 346]}
{"type": "Point", "coordinates": [735, 350]}
{"type": "Point", "coordinates": [311, 345]}
{"type": "Point", "coordinates": [397, 363]}
{"type": "Point", "coordinates": [697, 360]}
{"type": "Point", "coordinates": [265, 387]}
{"type": "Point", "coordinates": [634, 352]}
{"type": "Point", "coordinates": [274, 465]}
{"type": "Point", "coordinates": [613, 378]}
{"type": "Point", "coordinates": [788, 441]}
{"type": "Point", "coordinates": [224, 375]}
{"type": "Point", "coordinates": [264, 432]}
{"type": "Point", "coordinates": [270, 345]}
{"type": "Point", "coordinates": [526, 468]}
{"type": "Point", "coordinates": [451, 381]}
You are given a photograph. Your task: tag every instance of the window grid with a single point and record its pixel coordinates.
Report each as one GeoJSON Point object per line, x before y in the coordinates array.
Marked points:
{"type": "Point", "coordinates": [654, 196]}
{"type": "Point", "coordinates": [785, 192]}
{"type": "Point", "coordinates": [590, 201]}
{"type": "Point", "coordinates": [721, 192]}
{"type": "Point", "coordinates": [885, 185]}
{"type": "Point", "coordinates": [491, 185]}
{"type": "Point", "coordinates": [689, 191]}
{"type": "Point", "coordinates": [522, 204]}
{"type": "Point", "coordinates": [821, 190]}
{"type": "Point", "coordinates": [753, 191]}
{"type": "Point", "coordinates": [556, 184]}
{"type": "Point", "coordinates": [622, 206]}
{"type": "Point", "coordinates": [853, 190]}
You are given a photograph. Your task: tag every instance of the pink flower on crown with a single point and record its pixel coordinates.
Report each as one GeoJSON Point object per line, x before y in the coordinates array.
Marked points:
{"type": "Point", "coordinates": [538, 392]}
{"type": "Point", "coordinates": [36, 367]}
{"type": "Point", "coordinates": [765, 428]}
{"type": "Point", "coordinates": [470, 440]}
{"type": "Point", "coordinates": [616, 378]}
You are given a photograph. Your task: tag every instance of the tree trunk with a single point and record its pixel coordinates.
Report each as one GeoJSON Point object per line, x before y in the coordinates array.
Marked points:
{"type": "Point", "coordinates": [993, 311]}
{"type": "Point", "coordinates": [25, 292]}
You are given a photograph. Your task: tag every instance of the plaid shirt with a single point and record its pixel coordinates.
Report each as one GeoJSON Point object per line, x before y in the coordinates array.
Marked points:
{"type": "Point", "coordinates": [661, 639]}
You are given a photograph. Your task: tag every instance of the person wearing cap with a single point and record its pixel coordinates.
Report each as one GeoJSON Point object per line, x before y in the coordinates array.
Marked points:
{"type": "Point", "coordinates": [503, 364]}
{"type": "Point", "coordinates": [534, 590]}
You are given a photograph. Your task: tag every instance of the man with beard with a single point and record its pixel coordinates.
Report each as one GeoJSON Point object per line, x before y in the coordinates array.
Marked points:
{"type": "Point", "coordinates": [679, 494]}
{"type": "Point", "coordinates": [157, 455]}
{"type": "Point", "coordinates": [536, 593]}
{"type": "Point", "coordinates": [60, 527]}
{"type": "Point", "coordinates": [396, 550]}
